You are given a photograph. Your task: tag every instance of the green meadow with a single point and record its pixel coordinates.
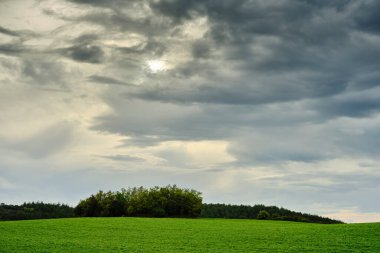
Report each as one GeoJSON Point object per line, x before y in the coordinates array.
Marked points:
{"type": "Point", "coordinates": [184, 235]}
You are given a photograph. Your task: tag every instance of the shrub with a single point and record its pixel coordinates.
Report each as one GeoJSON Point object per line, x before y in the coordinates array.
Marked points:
{"type": "Point", "coordinates": [263, 215]}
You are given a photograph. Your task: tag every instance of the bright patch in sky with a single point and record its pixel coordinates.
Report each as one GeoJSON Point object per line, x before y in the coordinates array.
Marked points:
{"type": "Point", "coordinates": [156, 66]}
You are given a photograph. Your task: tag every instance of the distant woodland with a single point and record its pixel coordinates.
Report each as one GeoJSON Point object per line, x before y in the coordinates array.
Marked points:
{"type": "Point", "coordinates": [260, 212]}
{"type": "Point", "coordinates": [169, 201]}
{"type": "Point", "coordinates": [35, 210]}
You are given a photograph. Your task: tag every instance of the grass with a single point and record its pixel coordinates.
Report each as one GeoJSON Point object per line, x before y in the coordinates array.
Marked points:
{"type": "Point", "coordinates": [184, 235]}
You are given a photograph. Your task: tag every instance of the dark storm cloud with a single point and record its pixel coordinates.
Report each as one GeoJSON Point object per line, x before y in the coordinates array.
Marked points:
{"type": "Point", "coordinates": [315, 53]}
{"type": "Point", "coordinates": [267, 42]}
{"type": "Point", "coordinates": [245, 93]}
{"type": "Point", "coordinates": [360, 104]}
{"type": "Point", "coordinates": [16, 47]}
{"type": "Point", "coordinates": [105, 80]}
{"type": "Point", "coordinates": [84, 53]}
{"type": "Point", "coordinates": [12, 49]}
{"type": "Point", "coordinates": [368, 17]}
{"type": "Point", "coordinates": [243, 18]}
{"type": "Point", "coordinates": [8, 32]}
{"type": "Point", "coordinates": [178, 10]}
{"type": "Point", "coordinates": [310, 40]}
{"type": "Point", "coordinates": [86, 38]}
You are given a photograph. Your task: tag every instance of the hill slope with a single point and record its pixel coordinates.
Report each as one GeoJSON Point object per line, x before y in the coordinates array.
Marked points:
{"type": "Point", "coordinates": [184, 235]}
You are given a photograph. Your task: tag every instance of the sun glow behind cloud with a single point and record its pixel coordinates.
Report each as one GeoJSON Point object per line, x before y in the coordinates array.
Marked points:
{"type": "Point", "coordinates": [156, 66]}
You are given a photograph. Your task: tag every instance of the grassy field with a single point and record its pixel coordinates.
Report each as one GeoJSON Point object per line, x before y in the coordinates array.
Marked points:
{"type": "Point", "coordinates": [184, 235]}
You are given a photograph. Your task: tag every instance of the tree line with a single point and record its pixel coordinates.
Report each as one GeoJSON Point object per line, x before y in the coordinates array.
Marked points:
{"type": "Point", "coordinates": [35, 210]}
{"type": "Point", "coordinates": [168, 201]}
{"type": "Point", "coordinates": [260, 212]}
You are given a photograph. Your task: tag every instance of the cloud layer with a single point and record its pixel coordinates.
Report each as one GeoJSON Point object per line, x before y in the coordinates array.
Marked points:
{"type": "Point", "coordinates": [252, 101]}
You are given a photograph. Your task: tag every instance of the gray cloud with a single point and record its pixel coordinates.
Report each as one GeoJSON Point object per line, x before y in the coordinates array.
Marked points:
{"type": "Point", "coordinates": [104, 3]}
{"type": "Point", "coordinates": [84, 53]}
{"type": "Point", "coordinates": [201, 49]}
{"type": "Point", "coordinates": [43, 72]}
{"type": "Point", "coordinates": [298, 54]}
{"type": "Point", "coordinates": [358, 104]}
{"type": "Point", "coordinates": [124, 158]}
{"type": "Point", "coordinates": [312, 43]}
{"type": "Point", "coordinates": [244, 93]}
{"type": "Point", "coordinates": [275, 83]}
{"type": "Point", "coordinates": [12, 49]}
{"type": "Point", "coordinates": [86, 38]}
{"type": "Point", "coordinates": [8, 32]}
{"type": "Point", "coordinates": [252, 54]}
{"type": "Point", "coordinates": [105, 80]}
{"type": "Point", "coordinates": [368, 18]}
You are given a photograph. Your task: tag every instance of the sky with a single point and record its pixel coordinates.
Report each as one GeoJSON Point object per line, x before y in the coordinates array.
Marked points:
{"type": "Point", "coordinates": [249, 102]}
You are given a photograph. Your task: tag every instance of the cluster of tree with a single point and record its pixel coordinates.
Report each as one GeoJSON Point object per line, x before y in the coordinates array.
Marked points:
{"type": "Point", "coordinates": [260, 212]}
{"type": "Point", "coordinates": [169, 201]}
{"type": "Point", "coordinates": [35, 210]}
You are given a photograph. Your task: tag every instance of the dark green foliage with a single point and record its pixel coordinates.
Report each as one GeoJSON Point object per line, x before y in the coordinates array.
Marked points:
{"type": "Point", "coordinates": [252, 212]}
{"type": "Point", "coordinates": [169, 201]}
{"type": "Point", "coordinates": [263, 215]}
{"type": "Point", "coordinates": [35, 210]}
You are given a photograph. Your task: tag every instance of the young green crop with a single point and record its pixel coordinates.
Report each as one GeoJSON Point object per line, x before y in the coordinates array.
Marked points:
{"type": "Point", "coordinates": [184, 235]}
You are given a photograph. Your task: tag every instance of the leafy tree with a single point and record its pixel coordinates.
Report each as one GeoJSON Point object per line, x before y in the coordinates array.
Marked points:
{"type": "Point", "coordinates": [263, 215]}
{"type": "Point", "coordinates": [169, 201]}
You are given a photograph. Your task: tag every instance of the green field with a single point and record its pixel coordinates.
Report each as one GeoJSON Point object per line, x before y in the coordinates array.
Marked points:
{"type": "Point", "coordinates": [184, 235]}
